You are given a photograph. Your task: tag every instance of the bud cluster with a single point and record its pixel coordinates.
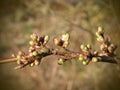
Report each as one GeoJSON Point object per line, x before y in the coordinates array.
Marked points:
{"type": "Point", "coordinates": [63, 41]}
{"type": "Point", "coordinates": [87, 55]}
{"type": "Point", "coordinates": [32, 58]}
{"type": "Point", "coordinates": [106, 46]}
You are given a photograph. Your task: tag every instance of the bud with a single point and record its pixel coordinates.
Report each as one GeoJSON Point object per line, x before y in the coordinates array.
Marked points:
{"type": "Point", "coordinates": [94, 59]}
{"type": "Point", "coordinates": [85, 62]}
{"type": "Point", "coordinates": [88, 46]}
{"type": "Point", "coordinates": [32, 43]}
{"type": "Point", "coordinates": [85, 48]}
{"type": "Point", "coordinates": [100, 30]}
{"type": "Point", "coordinates": [34, 37]}
{"type": "Point", "coordinates": [81, 58]}
{"type": "Point", "coordinates": [32, 64]}
{"type": "Point", "coordinates": [35, 53]}
{"type": "Point", "coordinates": [100, 39]}
{"type": "Point", "coordinates": [31, 49]}
{"type": "Point", "coordinates": [46, 38]}
{"type": "Point", "coordinates": [82, 46]}
{"type": "Point", "coordinates": [19, 57]}
{"type": "Point", "coordinates": [31, 54]}
{"type": "Point", "coordinates": [37, 62]}
{"type": "Point", "coordinates": [65, 44]}
{"type": "Point", "coordinates": [56, 41]}
{"type": "Point", "coordinates": [97, 34]}
{"type": "Point", "coordinates": [60, 61]}
{"type": "Point", "coordinates": [65, 37]}
{"type": "Point", "coordinates": [95, 52]}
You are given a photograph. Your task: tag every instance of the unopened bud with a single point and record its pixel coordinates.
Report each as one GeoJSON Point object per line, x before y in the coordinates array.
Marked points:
{"type": "Point", "coordinates": [32, 43]}
{"type": "Point", "coordinates": [35, 53]}
{"type": "Point", "coordinates": [100, 30]}
{"type": "Point", "coordinates": [46, 38]}
{"type": "Point", "coordinates": [82, 46]}
{"type": "Point", "coordinates": [19, 57]}
{"type": "Point", "coordinates": [85, 62]}
{"type": "Point", "coordinates": [37, 62]}
{"type": "Point", "coordinates": [56, 41]}
{"type": "Point", "coordinates": [81, 58]}
{"type": "Point", "coordinates": [94, 59]}
{"type": "Point", "coordinates": [65, 44]}
{"type": "Point", "coordinates": [32, 64]}
{"type": "Point", "coordinates": [34, 37]}
{"type": "Point", "coordinates": [65, 37]}
{"type": "Point", "coordinates": [88, 46]}
{"type": "Point", "coordinates": [60, 61]}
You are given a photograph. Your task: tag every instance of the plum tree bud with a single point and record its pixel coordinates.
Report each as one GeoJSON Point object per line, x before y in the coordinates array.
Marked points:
{"type": "Point", "coordinates": [35, 53]}
{"type": "Point", "coordinates": [37, 62]}
{"type": "Point", "coordinates": [56, 41]}
{"type": "Point", "coordinates": [32, 43]}
{"type": "Point", "coordinates": [65, 37]}
{"type": "Point", "coordinates": [95, 59]}
{"type": "Point", "coordinates": [34, 37]}
{"type": "Point", "coordinates": [46, 38]}
{"type": "Point", "coordinates": [100, 30]}
{"type": "Point", "coordinates": [60, 61]}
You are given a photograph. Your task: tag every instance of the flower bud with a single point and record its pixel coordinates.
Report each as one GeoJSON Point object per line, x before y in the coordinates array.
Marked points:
{"type": "Point", "coordinates": [97, 34]}
{"type": "Point", "coordinates": [88, 46]}
{"type": "Point", "coordinates": [65, 37]}
{"type": "Point", "coordinates": [31, 54]}
{"type": "Point", "coordinates": [60, 61]}
{"type": "Point", "coordinates": [35, 53]}
{"type": "Point", "coordinates": [82, 46]}
{"type": "Point", "coordinates": [32, 64]}
{"type": "Point", "coordinates": [65, 44]}
{"type": "Point", "coordinates": [46, 38]}
{"type": "Point", "coordinates": [19, 57]}
{"type": "Point", "coordinates": [37, 62]}
{"type": "Point", "coordinates": [81, 58]}
{"type": "Point", "coordinates": [56, 41]}
{"type": "Point", "coordinates": [34, 37]}
{"type": "Point", "coordinates": [100, 30]}
{"type": "Point", "coordinates": [94, 59]}
{"type": "Point", "coordinates": [85, 62]}
{"type": "Point", "coordinates": [32, 43]}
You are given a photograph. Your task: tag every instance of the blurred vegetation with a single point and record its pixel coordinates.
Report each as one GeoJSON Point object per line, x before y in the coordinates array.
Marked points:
{"type": "Point", "coordinates": [80, 18]}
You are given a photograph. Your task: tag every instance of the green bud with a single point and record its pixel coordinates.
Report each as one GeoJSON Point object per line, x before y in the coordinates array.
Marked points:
{"type": "Point", "coordinates": [35, 53]}
{"type": "Point", "coordinates": [81, 57]}
{"type": "Point", "coordinates": [37, 62]}
{"type": "Point", "coordinates": [100, 30]}
{"type": "Point", "coordinates": [82, 46]}
{"type": "Point", "coordinates": [32, 43]}
{"type": "Point", "coordinates": [32, 64]}
{"type": "Point", "coordinates": [56, 41]}
{"type": "Point", "coordinates": [65, 37]}
{"type": "Point", "coordinates": [88, 46]}
{"type": "Point", "coordinates": [85, 48]}
{"type": "Point", "coordinates": [46, 38]}
{"type": "Point", "coordinates": [66, 43]}
{"type": "Point", "coordinates": [19, 57]}
{"type": "Point", "coordinates": [34, 37]}
{"type": "Point", "coordinates": [94, 59]}
{"type": "Point", "coordinates": [31, 54]}
{"type": "Point", "coordinates": [85, 62]}
{"type": "Point", "coordinates": [97, 34]}
{"type": "Point", "coordinates": [60, 61]}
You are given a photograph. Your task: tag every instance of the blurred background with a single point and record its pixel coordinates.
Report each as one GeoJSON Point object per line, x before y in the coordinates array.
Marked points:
{"type": "Point", "coordinates": [79, 18]}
